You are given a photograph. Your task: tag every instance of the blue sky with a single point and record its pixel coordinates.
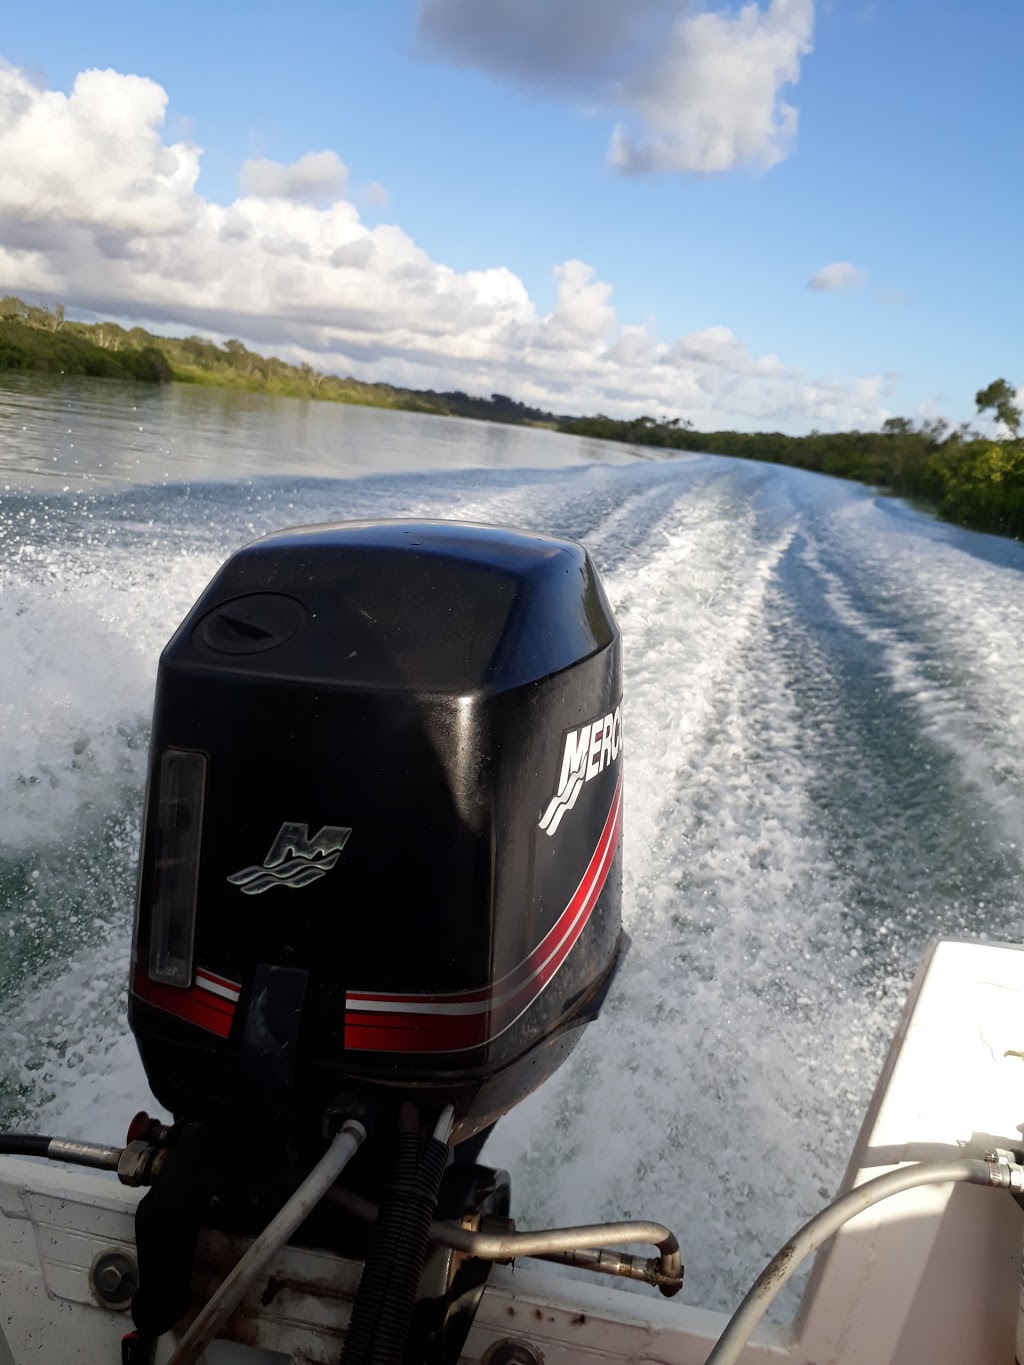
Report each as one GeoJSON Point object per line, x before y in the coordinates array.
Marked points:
{"type": "Point", "coordinates": [477, 139]}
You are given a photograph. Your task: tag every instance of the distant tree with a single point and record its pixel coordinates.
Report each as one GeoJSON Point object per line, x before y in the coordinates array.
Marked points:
{"type": "Point", "coordinates": [935, 430]}
{"type": "Point", "coordinates": [999, 399]}
{"type": "Point", "coordinates": [54, 320]}
{"type": "Point", "coordinates": [237, 351]}
{"type": "Point", "coordinates": [110, 336]}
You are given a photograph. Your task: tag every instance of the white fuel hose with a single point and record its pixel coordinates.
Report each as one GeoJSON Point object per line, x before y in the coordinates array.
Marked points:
{"type": "Point", "coordinates": [821, 1227]}
{"type": "Point", "coordinates": [270, 1241]}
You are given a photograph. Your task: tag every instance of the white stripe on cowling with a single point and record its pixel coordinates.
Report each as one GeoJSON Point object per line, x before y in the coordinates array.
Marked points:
{"type": "Point", "coordinates": [215, 987]}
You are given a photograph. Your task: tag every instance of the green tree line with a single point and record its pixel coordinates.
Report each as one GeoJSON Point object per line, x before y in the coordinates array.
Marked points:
{"type": "Point", "coordinates": [44, 340]}
{"type": "Point", "coordinates": [966, 477]}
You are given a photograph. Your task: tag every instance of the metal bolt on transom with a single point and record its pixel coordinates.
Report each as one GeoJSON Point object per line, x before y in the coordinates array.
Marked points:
{"type": "Point", "coordinates": [114, 1278]}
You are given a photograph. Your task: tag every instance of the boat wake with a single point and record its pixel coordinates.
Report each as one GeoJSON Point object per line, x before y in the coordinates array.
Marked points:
{"type": "Point", "coordinates": [824, 766]}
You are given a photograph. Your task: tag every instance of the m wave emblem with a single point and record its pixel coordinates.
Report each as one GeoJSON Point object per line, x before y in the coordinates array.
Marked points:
{"type": "Point", "coordinates": [294, 859]}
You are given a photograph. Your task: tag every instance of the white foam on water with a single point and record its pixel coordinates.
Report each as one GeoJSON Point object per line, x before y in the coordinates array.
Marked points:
{"type": "Point", "coordinates": [81, 637]}
{"type": "Point", "coordinates": [963, 665]}
{"type": "Point", "coordinates": [79, 1063]}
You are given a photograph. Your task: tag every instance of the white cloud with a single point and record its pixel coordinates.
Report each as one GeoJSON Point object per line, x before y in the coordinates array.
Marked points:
{"type": "Point", "coordinates": [96, 211]}
{"type": "Point", "coordinates": [710, 100]}
{"type": "Point", "coordinates": [632, 348]}
{"type": "Point", "coordinates": [76, 159]}
{"type": "Point", "coordinates": [583, 314]}
{"type": "Point", "coordinates": [356, 254]}
{"type": "Point", "coordinates": [837, 277]}
{"type": "Point", "coordinates": [317, 177]}
{"type": "Point", "coordinates": [376, 194]}
{"type": "Point", "coordinates": [696, 91]}
{"type": "Point", "coordinates": [712, 346]}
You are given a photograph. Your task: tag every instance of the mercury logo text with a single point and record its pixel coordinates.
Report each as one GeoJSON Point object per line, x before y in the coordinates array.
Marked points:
{"type": "Point", "coordinates": [587, 752]}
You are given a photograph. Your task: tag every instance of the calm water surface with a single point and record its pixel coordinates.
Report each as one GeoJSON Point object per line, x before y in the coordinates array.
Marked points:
{"type": "Point", "coordinates": [91, 434]}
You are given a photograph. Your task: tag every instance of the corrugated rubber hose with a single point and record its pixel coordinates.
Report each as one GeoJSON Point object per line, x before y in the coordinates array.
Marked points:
{"type": "Point", "coordinates": [381, 1317]}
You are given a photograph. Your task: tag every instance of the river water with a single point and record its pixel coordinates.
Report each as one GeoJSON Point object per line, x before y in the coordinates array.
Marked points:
{"type": "Point", "coordinates": [825, 767]}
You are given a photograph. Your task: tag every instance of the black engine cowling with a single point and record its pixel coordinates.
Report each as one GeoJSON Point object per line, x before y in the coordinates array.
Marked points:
{"type": "Point", "coordinates": [382, 831]}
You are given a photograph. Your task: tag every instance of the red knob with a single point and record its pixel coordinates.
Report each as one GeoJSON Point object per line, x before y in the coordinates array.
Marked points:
{"type": "Point", "coordinates": [138, 1129]}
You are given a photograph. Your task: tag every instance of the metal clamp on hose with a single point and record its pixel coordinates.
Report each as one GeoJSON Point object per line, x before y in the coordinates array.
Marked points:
{"type": "Point", "coordinates": [1004, 1171]}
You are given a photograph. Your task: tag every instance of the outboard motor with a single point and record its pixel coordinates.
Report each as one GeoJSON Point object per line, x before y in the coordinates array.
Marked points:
{"type": "Point", "coordinates": [380, 892]}
{"type": "Point", "coordinates": [382, 829]}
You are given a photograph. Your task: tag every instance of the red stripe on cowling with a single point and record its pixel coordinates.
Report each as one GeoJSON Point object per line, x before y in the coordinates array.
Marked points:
{"type": "Point", "coordinates": [381, 1030]}
{"type": "Point", "coordinates": [414, 1032]}
{"type": "Point", "coordinates": [195, 1006]}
